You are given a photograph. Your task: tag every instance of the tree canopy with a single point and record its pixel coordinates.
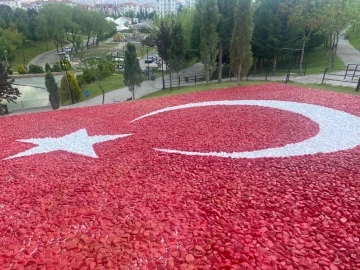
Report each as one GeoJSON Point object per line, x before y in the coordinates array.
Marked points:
{"type": "Point", "coordinates": [133, 73]}
{"type": "Point", "coordinates": [7, 91]}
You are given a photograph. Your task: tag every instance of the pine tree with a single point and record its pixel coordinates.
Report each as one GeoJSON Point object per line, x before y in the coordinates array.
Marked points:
{"type": "Point", "coordinates": [224, 29]}
{"type": "Point", "coordinates": [74, 86]}
{"type": "Point", "coordinates": [7, 91]}
{"type": "Point", "coordinates": [196, 27]}
{"type": "Point", "coordinates": [163, 44]}
{"type": "Point", "coordinates": [209, 37]}
{"type": "Point", "coordinates": [53, 89]}
{"type": "Point", "coordinates": [177, 56]}
{"type": "Point", "coordinates": [132, 73]}
{"type": "Point", "coordinates": [240, 48]}
{"type": "Point", "coordinates": [163, 41]}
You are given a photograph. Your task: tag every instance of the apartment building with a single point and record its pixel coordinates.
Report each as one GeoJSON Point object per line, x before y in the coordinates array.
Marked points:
{"type": "Point", "coordinates": [11, 3]}
{"type": "Point", "coordinates": [165, 7]}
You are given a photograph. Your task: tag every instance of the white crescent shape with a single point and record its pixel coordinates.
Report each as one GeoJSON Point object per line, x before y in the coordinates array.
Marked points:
{"type": "Point", "coordinates": [338, 130]}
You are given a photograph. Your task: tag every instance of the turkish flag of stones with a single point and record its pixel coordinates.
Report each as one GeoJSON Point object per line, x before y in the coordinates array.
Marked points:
{"type": "Point", "coordinates": [255, 177]}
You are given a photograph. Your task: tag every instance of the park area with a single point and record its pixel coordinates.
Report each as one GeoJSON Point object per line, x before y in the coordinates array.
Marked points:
{"type": "Point", "coordinates": [253, 177]}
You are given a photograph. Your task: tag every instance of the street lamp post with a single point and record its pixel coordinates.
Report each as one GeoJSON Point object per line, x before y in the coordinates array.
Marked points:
{"type": "Point", "coordinates": [147, 59]}
{"type": "Point", "coordinates": [5, 52]}
{"type": "Point", "coordinates": [62, 57]}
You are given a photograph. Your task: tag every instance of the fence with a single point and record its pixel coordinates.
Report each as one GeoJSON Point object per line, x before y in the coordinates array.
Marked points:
{"type": "Point", "coordinates": [282, 73]}
{"type": "Point", "coordinates": [184, 80]}
{"type": "Point", "coordinates": [352, 68]}
{"type": "Point", "coordinates": [28, 104]}
{"type": "Point", "coordinates": [341, 76]}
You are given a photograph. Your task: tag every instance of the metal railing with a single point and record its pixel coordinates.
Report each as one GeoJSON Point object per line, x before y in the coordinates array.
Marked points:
{"type": "Point", "coordinates": [341, 76]}
{"type": "Point", "coordinates": [28, 104]}
{"type": "Point", "coordinates": [184, 80]}
{"type": "Point", "coordinates": [352, 68]}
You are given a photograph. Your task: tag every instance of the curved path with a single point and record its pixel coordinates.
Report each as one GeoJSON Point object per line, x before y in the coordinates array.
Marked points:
{"type": "Point", "coordinates": [347, 53]}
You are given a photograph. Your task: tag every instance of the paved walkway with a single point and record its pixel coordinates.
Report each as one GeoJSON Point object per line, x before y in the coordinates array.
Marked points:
{"type": "Point", "coordinates": [348, 54]}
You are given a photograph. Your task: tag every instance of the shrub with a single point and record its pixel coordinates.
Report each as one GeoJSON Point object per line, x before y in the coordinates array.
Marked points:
{"type": "Point", "coordinates": [148, 41]}
{"type": "Point", "coordinates": [80, 79]}
{"type": "Point", "coordinates": [56, 67]}
{"type": "Point", "coordinates": [88, 75]}
{"type": "Point", "coordinates": [67, 63]}
{"type": "Point", "coordinates": [111, 68]}
{"type": "Point", "coordinates": [74, 86]}
{"type": "Point", "coordinates": [53, 89]}
{"type": "Point", "coordinates": [35, 69]}
{"type": "Point", "coordinates": [47, 67]}
{"type": "Point", "coordinates": [21, 69]}
{"type": "Point", "coordinates": [10, 71]}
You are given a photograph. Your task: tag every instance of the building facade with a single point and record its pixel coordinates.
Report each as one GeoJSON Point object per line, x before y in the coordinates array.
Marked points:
{"type": "Point", "coordinates": [11, 3]}
{"type": "Point", "coordinates": [166, 7]}
{"type": "Point", "coordinates": [189, 3]}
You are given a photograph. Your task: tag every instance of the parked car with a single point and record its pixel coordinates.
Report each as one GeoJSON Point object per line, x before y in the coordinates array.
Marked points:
{"type": "Point", "coordinates": [149, 59]}
{"type": "Point", "coordinates": [67, 49]}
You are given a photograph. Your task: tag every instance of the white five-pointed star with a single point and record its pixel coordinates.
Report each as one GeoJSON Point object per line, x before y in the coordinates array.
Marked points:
{"type": "Point", "coordinates": [78, 142]}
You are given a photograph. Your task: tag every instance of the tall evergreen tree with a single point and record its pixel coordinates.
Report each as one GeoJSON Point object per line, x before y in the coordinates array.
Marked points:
{"type": "Point", "coordinates": [163, 41]}
{"type": "Point", "coordinates": [74, 86]}
{"type": "Point", "coordinates": [196, 27]}
{"type": "Point", "coordinates": [240, 48]}
{"type": "Point", "coordinates": [209, 37]}
{"type": "Point", "coordinates": [163, 44]}
{"type": "Point", "coordinates": [177, 55]}
{"type": "Point", "coordinates": [7, 91]}
{"type": "Point", "coordinates": [224, 29]}
{"type": "Point", "coordinates": [53, 89]}
{"type": "Point", "coordinates": [271, 32]}
{"type": "Point", "coordinates": [133, 73]}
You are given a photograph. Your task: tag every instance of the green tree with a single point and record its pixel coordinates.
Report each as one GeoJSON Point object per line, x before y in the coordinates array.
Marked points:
{"type": "Point", "coordinates": [224, 29]}
{"type": "Point", "coordinates": [74, 86]}
{"type": "Point", "coordinates": [6, 16]}
{"type": "Point", "coordinates": [240, 48]}
{"type": "Point", "coordinates": [186, 19]}
{"type": "Point", "coordinates": [209, 37]}
{"type": "Point", "coordinates": [177, 56]}
{"type": "Point", "coordinates": [73, 25]}
{"type": "Point", "coordinates": [196, 27]}
{"type": "Point", "coordinates": [32, 23]}
{"type": "Point", "coordinates": [53, 90]}
{"type": "Point", "coordinates": [148, 41]}
{"type": "Point", "coordinates": [271, 32]}
{"type": "Point", "coordinates": [51, 21]}
{"type": "Point", "coordinates": [336, 16]}
{"type": "Point", "coordinates": [130, 13]}
{"type": "Point", "coordinates": [163, 41]}
{"type": "Point", "coordinates": [10, 40]}
{"type": "Point", "coordinates": [7, 91]}
{"type": "Point", "coordinates": [132, 73]}
{"type": "Point", "coordinates": [47, 67]}
{"type": "Point", "coordinates": [307, 15]}
{"type": "Point", "coordinates": [163, 44]}
{"type": "Point", "coordinates": [21, 20]}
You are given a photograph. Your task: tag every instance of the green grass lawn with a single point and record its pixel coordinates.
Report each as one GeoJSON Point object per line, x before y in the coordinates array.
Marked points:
{"type": "Point", "coordinates": [98, 51]}
{"type": "Point", "coordinates": [317, 61]}
{"type": "Point", "coordinates": [109, 84]}
{"type": "Point", "coordinates": [215, 85]}
{"type": "Point", "coordinates": [31, 49]}
{"type": "Point", "coordinates": [198, 88]}
{"type": "Point", "coordinates": [354, 37]}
